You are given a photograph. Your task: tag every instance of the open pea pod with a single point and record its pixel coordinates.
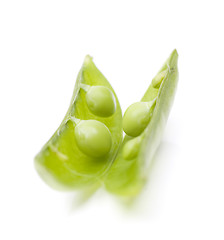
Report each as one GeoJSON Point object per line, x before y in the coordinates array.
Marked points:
{"type": "Point", "coordinates": [143, 123]}
{"type": "Point", "coordinates": [84, 146]}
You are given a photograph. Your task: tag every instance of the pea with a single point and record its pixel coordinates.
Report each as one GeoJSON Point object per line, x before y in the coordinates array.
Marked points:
{"type": "Point", "coordinates": [131, 148]}
{"type": "Point", "coordinates": [143, 125]}
{"type": "Point", "coordinates": [93, 138]}
{"type": "Point", "coordinates": [157, 80]}
{"type": "Point", "coordinates": [82, 149]}
{"type": "Point", "coordinates": [101, 101]}
{"type": "Point", "coordinates": [136, 118]}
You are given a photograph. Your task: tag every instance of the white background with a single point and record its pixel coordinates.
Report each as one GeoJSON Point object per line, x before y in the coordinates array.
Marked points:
{"type": "Point", "coordinates": [42, 46]}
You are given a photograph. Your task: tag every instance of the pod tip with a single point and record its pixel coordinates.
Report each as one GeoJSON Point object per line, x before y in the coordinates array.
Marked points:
{"type": "Point", "coordinates": [174, 52]}
{"type": "Point", "coordinates": [87, 59]}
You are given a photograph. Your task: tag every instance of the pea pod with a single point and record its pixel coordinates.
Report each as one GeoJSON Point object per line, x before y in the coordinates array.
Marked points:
{"type": "Point", "coordinates": [84, 146]}
{"type": "Point", "coordinates": [143, 123]}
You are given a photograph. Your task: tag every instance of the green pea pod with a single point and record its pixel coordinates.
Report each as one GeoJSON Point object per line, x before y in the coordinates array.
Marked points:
{"type": "Point", "coordinates": [84, 146]}
{"type": "Point", "coordinates": [144, 123]}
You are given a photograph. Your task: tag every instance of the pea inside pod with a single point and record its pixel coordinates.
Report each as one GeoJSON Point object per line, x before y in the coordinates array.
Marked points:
{"type": "Point", "coordinates": [143, 123]}
{"type": "Point", "coordinates": [100, 100]}
{"type": "Point", "coordinates": [93, 138]}
{"type": "Point", "coordinates": [137, 117]}
{"type": "Point", "coordinates": [131, 148]}
{"type": "Point", "coordinates": [82, 149]}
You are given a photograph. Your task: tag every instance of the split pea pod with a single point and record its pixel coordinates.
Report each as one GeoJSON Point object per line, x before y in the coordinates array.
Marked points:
{"type": "Point", "coordinates": [84, 146]}
{"type": "Point", "coordinates": [143, 123]}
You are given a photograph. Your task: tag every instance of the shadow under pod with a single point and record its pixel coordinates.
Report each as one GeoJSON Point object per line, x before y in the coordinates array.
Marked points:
{"type": "Point", "coordinates": [140, 203]}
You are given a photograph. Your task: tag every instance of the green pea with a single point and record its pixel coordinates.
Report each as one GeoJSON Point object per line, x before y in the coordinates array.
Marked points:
{"type": "Point", "coordinates": [130, 168]}
{"type": "Point", "coordinates": [157, 80]}
{"type": "Point", "coordinates": [84, 146]}
{"type": "Point", "coordinates": [131, 148]}
{"type": "Point", "coordinates": [93, 138]}
{"type": "Point", "coordinates": [136, 118]}
{"type": "Point", "coordinates": [101, 101]}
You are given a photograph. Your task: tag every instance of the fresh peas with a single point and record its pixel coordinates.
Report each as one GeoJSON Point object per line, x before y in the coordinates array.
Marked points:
{"type": "Point", "coordinates": [101, 101]}
{"type": "Point", "coordinates": [131, 148]}
{"type": "Point", "coordinates": [83, 148]}
{"type": "Point", "coordinates": [157, 80]}
{"type": "Point", "coordinates": [137, 117]}
{"type": "Point", "coordinates": [93, 138]}
{"type": "Point", "coordinates": [87, 148]}
{"type": "Point", "coordinates": [144, 123]}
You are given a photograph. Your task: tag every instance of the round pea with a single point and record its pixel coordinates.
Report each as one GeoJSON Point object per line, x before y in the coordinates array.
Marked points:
{"type": "Point", "coordinates": [131, 148]}
{"type": "Point", "coordinates": [101, 101]}
{"type": "Point", "coordinates": [93, 138]}
{"type": "Point", "coordinates": [136, 118]}
{"type": "Point", "coordinates": [156, 82]}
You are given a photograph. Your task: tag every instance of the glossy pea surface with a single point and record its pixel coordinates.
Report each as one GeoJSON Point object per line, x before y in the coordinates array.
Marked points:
{"type": "Point", "coordinates": [157, 80]}
{"type": "Point", "coordinates": [93, 138]}
{"type": "Point", "coordinates": [136, 118]}
{"type": "Point", "coordinates": [101, 101]}
{"type": "Point", "coordinates": [131, 148]}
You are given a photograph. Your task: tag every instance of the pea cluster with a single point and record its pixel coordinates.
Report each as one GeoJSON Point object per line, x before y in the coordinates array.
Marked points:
{"type": "Point", "coordinates": [143, 123]}
{"type": "Point", "coordinates": [88, 148]}
{"type": "Point", "coordinates": [83, 148]}
{"type": "Point", "coordinates": [92, 136]}
{"type": "Point", "coordinates": [136, 119]}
